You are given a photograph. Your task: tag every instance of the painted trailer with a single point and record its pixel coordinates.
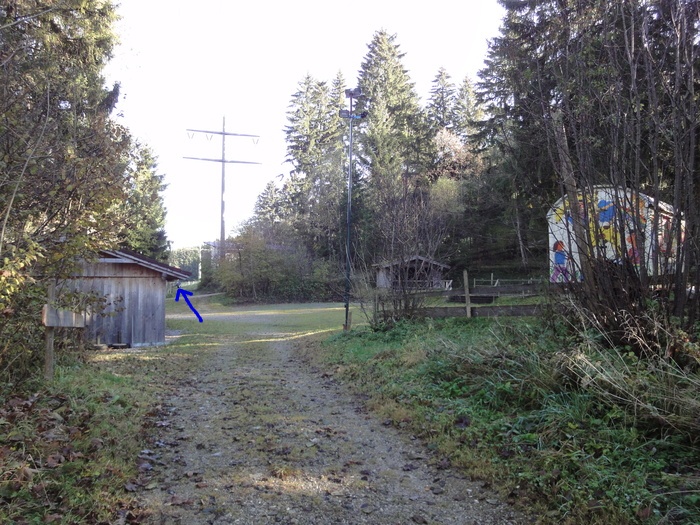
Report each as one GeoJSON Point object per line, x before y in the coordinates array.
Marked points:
{"type": "Point", "coordinates": [620, 224]}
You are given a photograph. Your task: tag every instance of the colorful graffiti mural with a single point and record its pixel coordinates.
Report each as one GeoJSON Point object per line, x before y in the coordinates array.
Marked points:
{"type": "Point", "coordinates": [619, 222]}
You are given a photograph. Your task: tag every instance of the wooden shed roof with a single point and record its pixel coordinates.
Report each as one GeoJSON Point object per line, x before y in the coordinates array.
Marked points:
{"type": "Point", "coordinates": [415, 258]}
{"type": "Point", "coordinates": [170, 273]}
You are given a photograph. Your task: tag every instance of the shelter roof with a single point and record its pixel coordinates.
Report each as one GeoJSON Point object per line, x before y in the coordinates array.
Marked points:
{"type": "Point", "coordinates": [170, 273]}
{"type": "Point", "coordinates": [414, 258]}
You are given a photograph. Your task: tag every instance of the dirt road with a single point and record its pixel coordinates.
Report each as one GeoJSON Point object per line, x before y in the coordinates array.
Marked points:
{"type": "Point", "coordinates": [249, 434]}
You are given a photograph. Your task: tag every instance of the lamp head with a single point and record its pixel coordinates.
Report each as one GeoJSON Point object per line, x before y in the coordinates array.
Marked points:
{"type": "Point", "coordinates": [353, 93]}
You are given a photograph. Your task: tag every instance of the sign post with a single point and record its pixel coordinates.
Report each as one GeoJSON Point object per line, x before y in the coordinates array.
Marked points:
{"type": "Point", "coordinates": [52, 319]}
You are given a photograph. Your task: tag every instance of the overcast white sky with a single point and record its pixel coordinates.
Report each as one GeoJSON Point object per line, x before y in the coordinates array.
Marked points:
{"type": "Point", "coordinates": [190, 64]}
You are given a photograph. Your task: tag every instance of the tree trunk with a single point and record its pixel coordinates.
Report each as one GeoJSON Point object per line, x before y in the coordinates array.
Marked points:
{"type": "Point", "coordinates": [581, 236]}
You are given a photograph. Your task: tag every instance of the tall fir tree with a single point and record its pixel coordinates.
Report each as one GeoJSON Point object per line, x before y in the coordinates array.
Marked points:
{"type": "Point", "coordinates": [62, 159]}
{"type": "Point", "coordinates": [468, 113]}
{"type": "Point", "coordinates": [385, 83]}
{"type": "Point", "coordinates": [395, 152]}
{"type": "Point", "coordinates": [269, 205]}
{"type": "Point", "coordinates": [315, 149]}
{"type": "Point", "coordinates": [144, 208]}
{"type": "Point", "coordinates": [442, 104]}
{"type": "Point", "coordinates": [304, 132]}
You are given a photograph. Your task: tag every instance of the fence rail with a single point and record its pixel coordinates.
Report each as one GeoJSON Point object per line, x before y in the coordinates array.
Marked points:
{"type": "Point", "coordinates": [511, 310]}
{"type": "Point", "coordinates": [478, 298]}
{"type": "Point", "coordinates": [498, 282]}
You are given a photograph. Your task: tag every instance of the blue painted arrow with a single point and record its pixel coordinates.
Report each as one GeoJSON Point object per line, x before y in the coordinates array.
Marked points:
{"type": "Point", "coordinates": [185, 293]}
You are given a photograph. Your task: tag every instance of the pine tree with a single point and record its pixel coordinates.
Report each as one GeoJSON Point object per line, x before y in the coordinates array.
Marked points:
{"type": "Point", "coordinates": [385, 83]}
{"type": "Point", "coordinates": [442, 104]}
{"type": "Point", "coordinates": [144, 208]}
{"type": "Point", "coordinates": [395, 152]}
{"type": "Point", "coordinates": [304, 131]}
{"type": "Point", "coordinates": [269, 205]}
{"type": "Point", "coordinates": [468, 112]}
{"type": "Point", "coordinates": [329, 195]}
{"type": "Point", "coordinates": [313, 190]}
{"type": "Point", "coordinates": [62, 159]}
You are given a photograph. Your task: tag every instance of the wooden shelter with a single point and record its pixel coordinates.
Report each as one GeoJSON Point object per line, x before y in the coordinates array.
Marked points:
{"type": "Point", "coordinates": [413, 273]}
{"type": "Point", "coordinates": [134, 288]}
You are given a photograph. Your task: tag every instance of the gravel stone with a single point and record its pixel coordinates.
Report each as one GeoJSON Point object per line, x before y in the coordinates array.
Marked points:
{"type": "Point", "coordinates": [251, 434]}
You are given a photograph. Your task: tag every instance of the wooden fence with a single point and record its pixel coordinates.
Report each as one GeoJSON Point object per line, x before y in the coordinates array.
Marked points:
{"type": "Point", "coordinates": [477, 298]}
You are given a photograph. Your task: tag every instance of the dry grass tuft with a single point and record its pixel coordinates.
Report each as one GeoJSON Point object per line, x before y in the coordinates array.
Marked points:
{"type": "Point", "coordinates": [390, 409]}
{"type": "Point", "coordinates": [284, 472]}
{"type": "Point", "coordinates": [414, 356]}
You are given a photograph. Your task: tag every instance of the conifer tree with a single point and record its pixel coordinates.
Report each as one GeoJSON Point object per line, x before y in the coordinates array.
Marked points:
{"type": "Point", "coordinates": [442, 104]}
{"type": "Point", "coordinates": [62, 159]}
{"type": "Point", "coordinates": [468, 112]}
{"type": "Point", "coordinates": [269, 205]}
{"type": "Point", "coordinates": [144, 208]}
{"type": "Point", "coordinates": [395, 152]}
{"type": "Point", "coordinates": [385, 83]}
{"type": "Point", "coordinates": [314, 187]}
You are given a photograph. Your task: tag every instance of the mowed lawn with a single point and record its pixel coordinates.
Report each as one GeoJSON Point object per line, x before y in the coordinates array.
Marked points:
{"type": "Point", "coordinates": [282, 320]}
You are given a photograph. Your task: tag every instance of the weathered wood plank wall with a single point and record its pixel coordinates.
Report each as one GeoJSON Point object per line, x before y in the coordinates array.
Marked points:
{"type": "Point", "coordinates": [135, 313]}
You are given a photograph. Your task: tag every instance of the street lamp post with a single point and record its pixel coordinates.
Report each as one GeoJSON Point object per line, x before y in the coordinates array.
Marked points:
{"type": "Point", "coordinates": [344, 113]}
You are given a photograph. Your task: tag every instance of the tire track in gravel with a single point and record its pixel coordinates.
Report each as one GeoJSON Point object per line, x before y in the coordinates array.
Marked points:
{"type": "Point", "coordinates": [251, 435]}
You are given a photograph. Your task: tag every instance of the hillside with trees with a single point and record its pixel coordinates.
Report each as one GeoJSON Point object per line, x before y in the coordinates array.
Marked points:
{"type": "Point", "coordinates": [425, 181]}
{"type": "Point", "coordinates": [573, 96]}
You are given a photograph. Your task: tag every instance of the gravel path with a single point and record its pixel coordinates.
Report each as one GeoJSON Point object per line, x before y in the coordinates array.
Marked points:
{"type": "Point", "coordinates": [251, 435]}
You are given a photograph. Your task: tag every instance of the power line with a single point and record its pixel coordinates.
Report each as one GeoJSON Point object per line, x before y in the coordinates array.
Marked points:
{"type": "Point", "coordinates": [223, 161]}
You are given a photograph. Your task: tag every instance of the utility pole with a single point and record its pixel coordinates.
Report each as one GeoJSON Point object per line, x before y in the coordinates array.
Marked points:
{"type": "Point", "coordinates": [223, 161]}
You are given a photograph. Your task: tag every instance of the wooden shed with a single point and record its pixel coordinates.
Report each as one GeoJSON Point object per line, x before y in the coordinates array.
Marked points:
{"type": "Point", "coordinates": [413, 273]}
{"type": "Point", "coordinates": [134, 288]}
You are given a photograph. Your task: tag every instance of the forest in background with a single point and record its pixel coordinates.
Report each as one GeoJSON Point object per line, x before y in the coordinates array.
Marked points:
{"type": "Point", "coordinates": [573, 95]}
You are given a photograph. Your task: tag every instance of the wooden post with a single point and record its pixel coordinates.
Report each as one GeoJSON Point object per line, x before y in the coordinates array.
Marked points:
{"type": "Point", "coordinates": [467, 299]}
{"type": "Point", "coordinates": [48, 336]}
{"type": "Point", "coordinates": [52, 318]}
{"type": "Point", "coordinates": [375, 308]}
